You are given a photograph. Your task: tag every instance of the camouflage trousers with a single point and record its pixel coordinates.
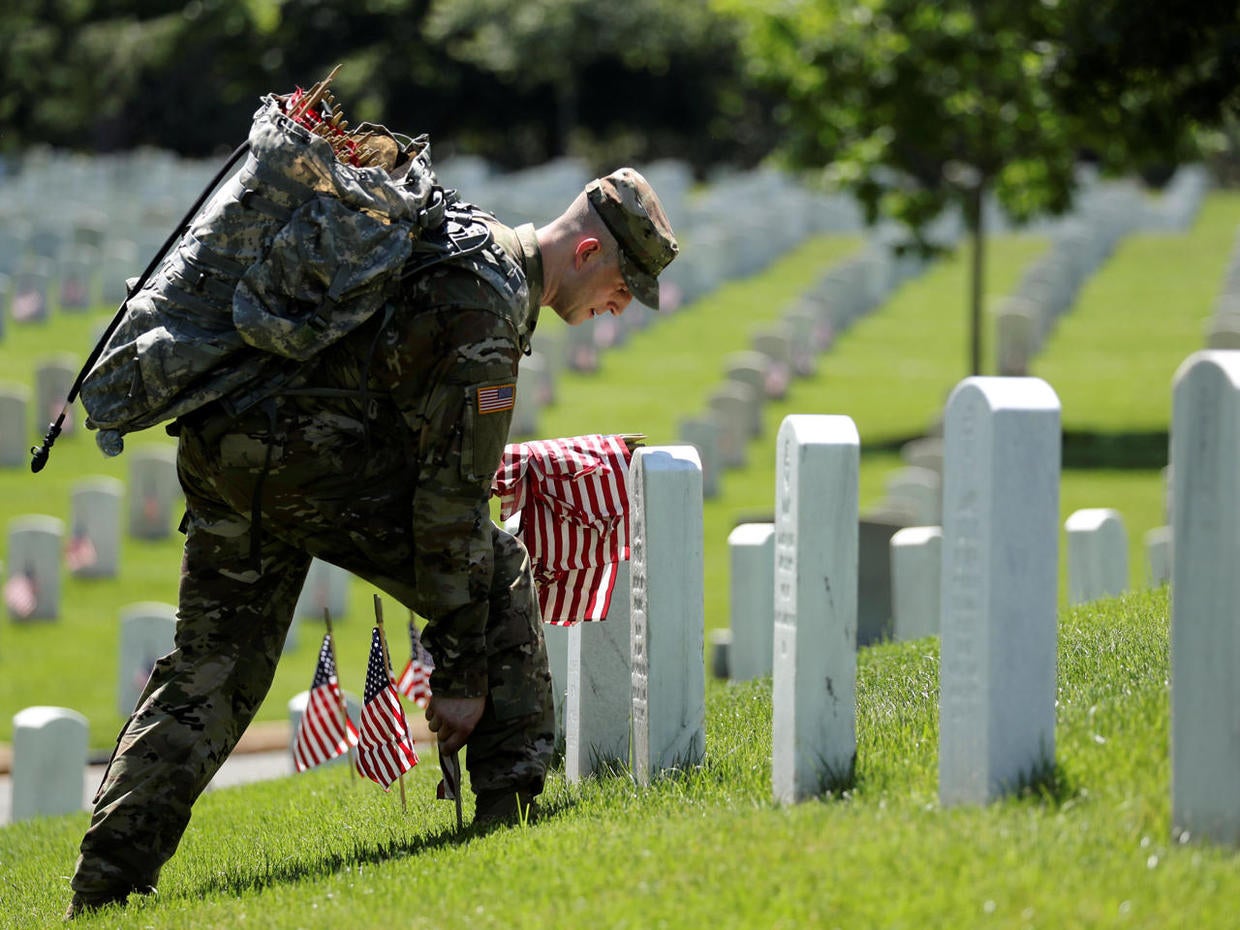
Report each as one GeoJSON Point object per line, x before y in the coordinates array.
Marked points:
{"type": "Point", "coordinates": [239, 587]}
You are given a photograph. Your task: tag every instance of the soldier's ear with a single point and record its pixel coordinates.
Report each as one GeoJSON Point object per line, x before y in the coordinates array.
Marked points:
{"type": "Point", "coordinates": [587, 248]}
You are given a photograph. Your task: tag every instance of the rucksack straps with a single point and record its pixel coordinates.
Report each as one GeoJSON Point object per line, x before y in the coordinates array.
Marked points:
{"type": "Point", "coordinates": [39, 454]}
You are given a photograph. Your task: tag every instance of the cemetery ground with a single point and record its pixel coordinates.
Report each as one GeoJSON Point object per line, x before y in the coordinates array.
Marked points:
{"type": "Point", "coordinates": [1089, 846]}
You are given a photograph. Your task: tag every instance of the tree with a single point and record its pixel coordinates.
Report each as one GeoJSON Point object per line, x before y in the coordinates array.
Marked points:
{"type": "Point", "coordinates": [917, 106]}
{"type": "Point", "coordinates": [573, 49]}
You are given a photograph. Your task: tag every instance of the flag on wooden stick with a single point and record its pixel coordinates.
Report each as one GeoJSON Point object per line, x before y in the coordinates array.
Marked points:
{"type": "Point", "coordinates": [415, 681]}
{"type": "Point", "coordinates": [325, 731]}
{"type": "Point", "coordinates": [385, 751]}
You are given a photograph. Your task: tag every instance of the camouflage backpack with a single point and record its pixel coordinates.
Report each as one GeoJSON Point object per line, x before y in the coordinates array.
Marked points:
{"type": "Point", "coordinates": [298, 248]}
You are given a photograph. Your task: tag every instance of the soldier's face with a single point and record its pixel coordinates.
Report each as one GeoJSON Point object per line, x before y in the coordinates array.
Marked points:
{"type": "Point", "coordinates": [599, 288]}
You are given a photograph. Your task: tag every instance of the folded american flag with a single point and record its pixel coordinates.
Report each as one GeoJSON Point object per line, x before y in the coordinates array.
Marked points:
{"type": "Point", "coordinates": [574, 506]}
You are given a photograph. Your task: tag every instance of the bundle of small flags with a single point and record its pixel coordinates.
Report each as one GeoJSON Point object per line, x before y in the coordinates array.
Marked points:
{"type": "Point", "coordinates": [383, 742]}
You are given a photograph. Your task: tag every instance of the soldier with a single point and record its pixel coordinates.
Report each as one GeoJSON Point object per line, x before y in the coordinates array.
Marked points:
{"type": "Point", "coordinates": [379, 459]}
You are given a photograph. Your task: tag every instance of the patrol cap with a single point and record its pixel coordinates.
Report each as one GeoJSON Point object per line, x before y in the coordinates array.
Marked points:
{"type": "Point", "coordinates": [631, 211]}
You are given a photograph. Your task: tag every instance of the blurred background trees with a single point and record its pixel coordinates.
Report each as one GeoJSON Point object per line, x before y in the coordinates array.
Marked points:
{"type": "Point", "coordinates": [912, 105]}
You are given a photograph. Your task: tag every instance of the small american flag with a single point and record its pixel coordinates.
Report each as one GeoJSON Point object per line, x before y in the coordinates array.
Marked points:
{"type": "Point", "coordinates": [497, 398]}
{"type": "Point", "coordinates": [325, 731]}
{"type": "Point", "coordinates": [415, 681]}
{"type": "Point", "coordinates": [80, 553]}
{"type": "Point", "coordinates": [28, 306]}
{"type": "Point", "coordinates": [385, 751]}
{"type": "Point", "coordinates": [21, 594]}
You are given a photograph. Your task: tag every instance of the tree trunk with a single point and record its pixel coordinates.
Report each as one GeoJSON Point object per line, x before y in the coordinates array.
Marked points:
{"type": "Point", "coordinates": [565, 113]}
{"type": "Point", "coordinates": [977, 233]}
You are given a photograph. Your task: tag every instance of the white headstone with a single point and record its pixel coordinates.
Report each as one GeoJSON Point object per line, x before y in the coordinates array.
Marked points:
{"type": "Point", "coordinates": [33, 583]}
{"type": "Point", "coordinates": [1016, 337]}
{"type": "Point", "coordinates": [777, 347]}
{"type": "Point", "coordinates": [76, 274]}
{"type": "Point", "coordinates": [148, 631]}
{"type": "Point", "coordinates": [30, 293]}
{"type": "Point", "coordinates": [326, 588]}
{"type": "Point", "coordinates": [667, 610]}
{"type": "Point", "coordinates": [154, 491]}
{"type": "Point", "coordinates": [1097, 554]}
{"type": "Point", "coordinates": [556, 639]}
{"type": "Point", "coordinates": [15, 433]}
{"type": "Point", "coordinates": [93, 547]}
{"type": "Point", "coordinates": [49, 762]}
{"type": "Point", "coordinates": [1205, 598]}
{"type": "Point", "coordinates": [917, 491]}
{"type": "Point", "coordinates": [750, 369]}
{"type": "Point", "coordinates": [751, 583]}
{"type": "Point", "coordinates": [52, 380]}
{"type": "Point", "coordinates": [703, 434]}
{"type": "Point", "coordinates": [527, 405]}
{"type": "Point", "coordinates": [813, 702]}
{"type": "Point", "coordinates": [916, 564]}
{"type": "Point", "coordinates": [999, 586]}
{"type": "Point", "coordinates": [600, 682]}
{"type": "Point", "coordinates": [1158, 556]}
{"type": "Point", "coordinates": [924, 452]}
{"type": "Point", "coordinates": [732, 409]}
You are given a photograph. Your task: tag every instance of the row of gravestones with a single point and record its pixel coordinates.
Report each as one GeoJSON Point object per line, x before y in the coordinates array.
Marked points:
{"type": "Point", "coordinates": [787, 350]}
{"type": "Point", "coordinates": [76, 257]}
{"type": "Point", "coordinates": [40, 552]}
{"type": "Point", "coordinates": [1223, 326]}
{"type": "Point", "coordinates": [1104, 214]}
{"type": "Point", "coordinates": [997, 593]}
{"type": "Point", "coordinates": [639, 694]}
{"type": "Point", "coordinates": [1097, 567]}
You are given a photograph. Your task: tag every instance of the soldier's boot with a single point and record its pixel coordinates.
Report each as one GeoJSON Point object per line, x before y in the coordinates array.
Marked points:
{"type": "Point", "coordinates": [505, 806]}
{"type": "Point", "coordinates": [89, 902]}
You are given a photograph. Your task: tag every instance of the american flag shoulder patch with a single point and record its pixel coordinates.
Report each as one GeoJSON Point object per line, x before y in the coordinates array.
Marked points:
{"type": "Point", "coordinates": [496, 398]}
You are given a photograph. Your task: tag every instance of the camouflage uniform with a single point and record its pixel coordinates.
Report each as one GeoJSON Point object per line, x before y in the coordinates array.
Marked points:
{"type": "Point", "coordinates": [378, 459]}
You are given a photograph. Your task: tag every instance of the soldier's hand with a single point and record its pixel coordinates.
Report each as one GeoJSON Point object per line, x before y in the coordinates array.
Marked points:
{"type": "Point", "coordinates": [452, 720]}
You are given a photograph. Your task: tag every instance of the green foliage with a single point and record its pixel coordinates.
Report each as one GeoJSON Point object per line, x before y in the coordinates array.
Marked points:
{"type": "Point", "coordinates": [516, 84]}
{"type": "Point", "coordinates": [916, 106]}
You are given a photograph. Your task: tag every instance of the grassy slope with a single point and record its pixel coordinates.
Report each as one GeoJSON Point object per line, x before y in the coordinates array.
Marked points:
{"type": "Point", "coordinates": [708, 848]}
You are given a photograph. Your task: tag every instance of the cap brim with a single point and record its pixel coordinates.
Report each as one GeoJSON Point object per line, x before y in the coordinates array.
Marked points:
{"type": "Point", "coordinates": [645, 287]}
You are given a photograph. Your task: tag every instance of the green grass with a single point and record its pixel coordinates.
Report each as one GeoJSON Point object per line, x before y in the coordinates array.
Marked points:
{"type": "Point", "coordinates": [707, 847]}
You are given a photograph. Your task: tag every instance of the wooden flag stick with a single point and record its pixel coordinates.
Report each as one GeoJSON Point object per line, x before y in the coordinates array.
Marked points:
{"type": "Point", "coordinates": [344, 711]}
{"type": "Point", "coordinates": [387, 668]}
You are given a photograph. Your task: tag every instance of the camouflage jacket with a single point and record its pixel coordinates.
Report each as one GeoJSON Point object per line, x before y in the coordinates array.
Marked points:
{"type": "Point", "coordinates": [433, 385]}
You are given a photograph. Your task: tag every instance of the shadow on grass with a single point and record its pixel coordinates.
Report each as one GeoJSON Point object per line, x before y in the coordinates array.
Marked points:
{"type": "Point", "coordinates": [258, 873]}
{"type": "Point", "coordinates": [1047, 784]}
{"type": "Point", "coordinates": [1142, 450]}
